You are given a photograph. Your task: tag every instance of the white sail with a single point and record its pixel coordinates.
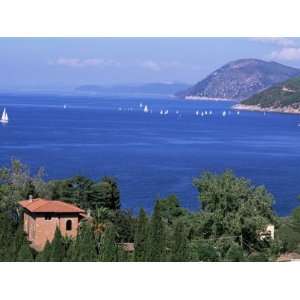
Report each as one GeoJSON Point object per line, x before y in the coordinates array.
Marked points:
{"type": "Point", "coordinates": [146, 109]}
{"type": "Point", "coordinates": [4, 118]}
{"type": "Point", "coordinates": [161, 112]}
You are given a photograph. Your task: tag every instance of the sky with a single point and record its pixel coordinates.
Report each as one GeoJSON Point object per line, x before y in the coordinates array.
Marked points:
{"type": "Point", "coordinates": [70, 62]}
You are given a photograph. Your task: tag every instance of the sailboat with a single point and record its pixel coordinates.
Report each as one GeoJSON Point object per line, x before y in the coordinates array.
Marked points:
{"type": "Point", "coordinates": [197, 112]}
{"type": "Point", "coordinates": [146, 109]}
{"type": "Point", "coordinates": [4, 118]}
{"type": "Point", "coordinates": [224, 113]}
{"type": "Point", "coordinates": [166, 112]}
{"type": "Point", "coordinates": [161, 112]}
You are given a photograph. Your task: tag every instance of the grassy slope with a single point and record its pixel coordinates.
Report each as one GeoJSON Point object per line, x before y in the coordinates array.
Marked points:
{"type": "Point", "coordinates": [278, 97]}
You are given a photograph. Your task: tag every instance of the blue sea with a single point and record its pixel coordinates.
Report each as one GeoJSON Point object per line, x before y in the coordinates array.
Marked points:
{"type": "Point", "coordinates": [152, 155]}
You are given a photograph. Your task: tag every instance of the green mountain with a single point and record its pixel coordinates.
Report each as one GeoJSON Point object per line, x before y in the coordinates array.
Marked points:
{"type": "Point", "coordinates": [283, 97]}
{"type": "Point", "coordinates": [240, 79]}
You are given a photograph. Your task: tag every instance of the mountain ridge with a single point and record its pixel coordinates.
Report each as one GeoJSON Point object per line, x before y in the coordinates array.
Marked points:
{"type": "Point", "coordinates": [240, 79]}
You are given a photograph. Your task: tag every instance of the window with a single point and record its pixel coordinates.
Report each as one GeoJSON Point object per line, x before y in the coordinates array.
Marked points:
{"type": "Point", "coordinates": [69, 225]}
{"type": "Point", "coordinates": [48, 218]}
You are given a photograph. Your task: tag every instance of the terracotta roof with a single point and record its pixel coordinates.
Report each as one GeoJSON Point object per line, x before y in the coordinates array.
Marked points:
{"type": "Point", "coordinates": [128, 247]}
{"type": "Point", "coordinates": [43, 205]}
{"type": "Point", "coordinates": [290, 256]}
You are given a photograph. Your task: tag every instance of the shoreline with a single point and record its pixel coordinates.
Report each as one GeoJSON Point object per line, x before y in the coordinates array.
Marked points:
{"type": "Point", "coordinates": [257, 108]}
{"type": "Point", "coordinates": [207, 99]}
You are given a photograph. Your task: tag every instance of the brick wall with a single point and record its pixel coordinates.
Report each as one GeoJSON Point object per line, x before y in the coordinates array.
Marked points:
{"type": "Point", "coordinates": [41, 227]}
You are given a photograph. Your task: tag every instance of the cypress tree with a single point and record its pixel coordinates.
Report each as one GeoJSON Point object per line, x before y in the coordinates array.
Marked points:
{"type": "Point", "coordinates": [157, 239]}
{"type": "Point", "coordinates": [179, 246]}
{"type": "Point", "coordinates": [109, 248]}
{"type": "Point", "coordinates": [44, 255]}
{"type": "Point", "coordinates": [140, 241]}
{"type": "Point", "coordinates": [19, 240]}
{"type": "Point", "coordinates": [24, 254]}
{"type": "Point", "coordinates": [85, 247]}
{"type": "Point", "coordinates": [57, 248]}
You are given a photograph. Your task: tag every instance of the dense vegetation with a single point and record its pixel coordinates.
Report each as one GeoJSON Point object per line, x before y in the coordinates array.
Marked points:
{"type": "Point", "coordinates": [281, 95]}
{"type": "Point", "coordinates": [226, 228]}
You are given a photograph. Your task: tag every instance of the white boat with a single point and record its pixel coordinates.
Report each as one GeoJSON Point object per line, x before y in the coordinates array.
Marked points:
{"type": "Point", "coordinates": [161, 112]}
{"type": "Point", "coordinates": [146, 109]}
{"type": "Point", "coordinates": [237, 112]}
{"type": "Point", "coordinates": [65, 106]}
{"type": "Point", "coordinates": [205, 112]}
{"type": "Point", "coordinates": [4, 118]}
{"type": "Point", "coordinates": [197, 112]}
{"type": "Point", "coordinates": [166, 112]}
{"type": "Point", "coordinates": [210, 112]}
{"type": "Point", "coordinates": [224, 113]}
{"type": "Point", "coordinates": [202, 114]}
{"type": "Point", "coordinates": [141, 105]}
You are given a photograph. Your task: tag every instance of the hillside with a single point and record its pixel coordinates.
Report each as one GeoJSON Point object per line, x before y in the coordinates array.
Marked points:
{"type": "Point", "coordinates": [284, 97]}
{"type": "Point", "coordinates": [240, 79]}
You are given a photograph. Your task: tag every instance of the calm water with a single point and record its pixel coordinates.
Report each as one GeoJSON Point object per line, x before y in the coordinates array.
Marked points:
{"type": "Point", "coordinates": [152, 155]}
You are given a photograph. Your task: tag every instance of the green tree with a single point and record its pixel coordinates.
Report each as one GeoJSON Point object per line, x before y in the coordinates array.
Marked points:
{"type": "Point", "coordinates": [109, 248]}
{"type": "Point", "coordinates": [85, 247]}
{"type": "Point", "coordinates": [76, 190]}
{"type": "Point", "coordinates": [179, 251]}
{"type": "Point", "coordinates": [156, 247]}
{"type": "Point", "coordinates": [57, 248]}
{"type": "Point", "coordinates": [232, 206]}
{"type": "Point", "coordinates": [44, 255]}
{"type": "Point", "coordinates": [140, 241]}
{"type": "Point", "coordinates": [235, 253]}
{"type": "Point", "coordinates": [25, 254]}
{"type": "Point", "coordinates": [105, 194]}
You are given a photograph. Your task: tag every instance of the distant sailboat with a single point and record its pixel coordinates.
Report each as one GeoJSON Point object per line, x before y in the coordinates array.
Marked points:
{"type": "Point", "coordinates": [197, 112]}
{"type": "Point", "coordinates": [166, 112]}
{"type": "Point", "coordinates": [202, 114]}
{"type": "Point", "coordinates": [4, 118]}
{"type": "Point", "coordinates": [205, 112]}
{"type": "Point", "coordinates": [224, 113]}
{"type": "Point", "coordinates": [210, 112]}
{"type": "Point", "coordinates": [237, 112]}
{"type": "Point", "coordinates": [65, 106]}
{"type": "Point", "coordinates": [141, 105]}
{"type": "Point", "coordinates": [146, 109]}
{"type": "Point", "coordinates": [161, 112]}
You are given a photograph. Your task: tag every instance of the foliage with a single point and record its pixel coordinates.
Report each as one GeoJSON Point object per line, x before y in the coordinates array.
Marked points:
{"type": "Point", "coordinates": [141, 235]}
{"type": "Point", "coordinates": [109, 248]}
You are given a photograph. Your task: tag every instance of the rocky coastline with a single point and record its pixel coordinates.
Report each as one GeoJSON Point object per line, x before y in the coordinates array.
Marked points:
{"type": "Point", "coordinates": [284, 110]}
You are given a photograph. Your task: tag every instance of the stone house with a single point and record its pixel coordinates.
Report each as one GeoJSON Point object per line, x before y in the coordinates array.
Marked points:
{"type": "Point", "coordinates": [42, 217]}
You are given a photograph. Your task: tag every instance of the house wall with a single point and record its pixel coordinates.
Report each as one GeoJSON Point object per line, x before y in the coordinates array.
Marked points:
{"type": "Point", "coordinates": [39, 229]}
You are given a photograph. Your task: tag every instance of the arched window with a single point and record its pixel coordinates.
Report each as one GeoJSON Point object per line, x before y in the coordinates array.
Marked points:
{"type": "Point", "coordinates": [69, 225]}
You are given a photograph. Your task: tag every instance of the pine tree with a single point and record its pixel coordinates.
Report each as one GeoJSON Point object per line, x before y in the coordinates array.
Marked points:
{"type": "Point", "coordinates": [85, 247]}
{"type": "Point", "coordinates": [140, 241]}
{"type": "Point", "coordinates": [179, 246]}
{"type": "Point", "coordinates": [24, 254]}
{"type": "Point", "coordinates": [109, 248]}
{"type": "Point", "coordinates": [157, 238]}
{"type": "Point", "coordinates": [57, 248]}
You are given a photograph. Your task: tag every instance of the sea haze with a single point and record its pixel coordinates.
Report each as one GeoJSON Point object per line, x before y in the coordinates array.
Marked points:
{"type": "Point", "coordinates": [152, 155]}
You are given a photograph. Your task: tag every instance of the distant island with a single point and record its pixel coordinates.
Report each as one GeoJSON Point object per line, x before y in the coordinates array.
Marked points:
{"type": "Point", "coordinates": [162, 88]}
{"type": "Point", "coordinates": [239, 80]}
{"type": "Point", "coordinates": [283, 98]}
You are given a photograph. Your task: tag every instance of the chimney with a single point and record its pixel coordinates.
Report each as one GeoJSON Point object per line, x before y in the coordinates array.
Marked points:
{"type": "Point", "coordinates": [30, 198]}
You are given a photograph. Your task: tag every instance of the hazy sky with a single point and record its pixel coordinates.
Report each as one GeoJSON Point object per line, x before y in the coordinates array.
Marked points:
{"type": "Point", "coordinates": [58, 62]}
